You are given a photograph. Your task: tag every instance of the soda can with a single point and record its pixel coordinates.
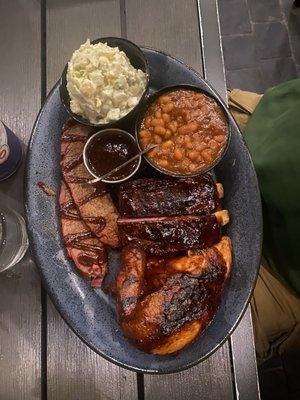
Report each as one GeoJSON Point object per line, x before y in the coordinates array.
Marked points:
{"type": "Point", "coordinates": [10, 152]}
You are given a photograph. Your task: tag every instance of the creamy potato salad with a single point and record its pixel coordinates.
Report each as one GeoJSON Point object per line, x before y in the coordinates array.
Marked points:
{"type": "Point", "coordinates": [102, 84]}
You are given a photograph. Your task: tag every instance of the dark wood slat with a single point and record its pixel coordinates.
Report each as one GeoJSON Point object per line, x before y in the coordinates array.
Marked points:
{"type": "Point", "coordinates": [210, 380]}
{"type": "Point", "coordinates": [70, 23]}
{"type": "Point", "coordinates": [75, 371]}
{"type": "Point", "coordinates": [212, 52]}
{"type": "Point", "coordinates": [168, 25]}
{"type": "Point", "coordinates": [244, 360]}
{"type": "Point", "coordinates": [242, 341]}
{"type": "Point", "coordinates": [20, 310]}
{"type": "Point", "coordinates": [173, 26]}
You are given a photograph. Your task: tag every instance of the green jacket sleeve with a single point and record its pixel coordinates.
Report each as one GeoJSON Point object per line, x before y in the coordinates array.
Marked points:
{"type": "Point", "coordinates": [273, 138]}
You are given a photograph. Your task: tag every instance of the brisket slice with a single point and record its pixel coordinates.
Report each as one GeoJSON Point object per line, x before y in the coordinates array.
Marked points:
{"type": "Point", "coordinates": [154, 197]}
{"type": "Point", "coordinates": [167, 235]}
{"type": "Point", "coordinates": [92, 201]}
{"type": "Point", "coordinates": [86, 250]}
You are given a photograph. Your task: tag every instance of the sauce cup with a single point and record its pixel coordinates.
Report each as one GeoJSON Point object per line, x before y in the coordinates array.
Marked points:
{"type": "Point", "coordinates": [107, 149]}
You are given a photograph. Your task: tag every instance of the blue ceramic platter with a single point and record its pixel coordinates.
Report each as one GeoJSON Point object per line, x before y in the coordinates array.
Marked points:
{"type": "Point", "coordinates": [90, 312]}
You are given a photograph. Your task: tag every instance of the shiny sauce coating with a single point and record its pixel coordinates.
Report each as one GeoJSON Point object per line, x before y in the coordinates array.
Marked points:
{"type": "Point", "coordinates": [190, 129]}
{"type": "Point", "coordinates": [107, 153]}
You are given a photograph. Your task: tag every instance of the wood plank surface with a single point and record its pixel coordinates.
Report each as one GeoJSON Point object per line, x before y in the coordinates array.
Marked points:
{"type": "Point", "coordinates": [244, 360]}
{"type": "Point", "coordinates": [168, 25]}
{"type": "Point", "coordinates": [242, 341]}
{"type": "Point", "coordinates": [173, 27]}
{"type": "Point", "coordinates": [209, 380]}
{"type": "Point", "coordinates": [20, 289]}
{"type": "Point", "coordinates": [74, 371]}
{"type": "Point", "coordinates": [212, 52]}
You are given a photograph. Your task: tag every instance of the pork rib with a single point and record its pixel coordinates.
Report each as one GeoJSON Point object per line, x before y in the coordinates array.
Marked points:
{"type": "Point", "coordinates": [167, 235]}
{"type": "Point", "coordinates": [93, 201]}
{"type": "Point", "coordinates": [86, 250]}
{"type": "Point", "coordinates": [156, 197]}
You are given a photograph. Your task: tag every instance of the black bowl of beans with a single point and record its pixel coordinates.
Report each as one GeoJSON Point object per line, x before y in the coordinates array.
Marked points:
{"type": "Point", "coordinates": [190, 128]}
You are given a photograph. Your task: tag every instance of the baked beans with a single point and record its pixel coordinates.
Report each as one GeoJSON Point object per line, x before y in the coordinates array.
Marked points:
{"type": "Point", "coordinates": [190, 129]}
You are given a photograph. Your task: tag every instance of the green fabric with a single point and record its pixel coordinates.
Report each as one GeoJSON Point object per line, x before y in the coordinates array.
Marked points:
{"type": "Point", "coordinates": [273, 138]}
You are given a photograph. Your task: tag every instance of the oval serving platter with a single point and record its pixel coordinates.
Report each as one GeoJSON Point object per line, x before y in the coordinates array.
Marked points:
{"type": "Point", "coordinates": [91, 312]}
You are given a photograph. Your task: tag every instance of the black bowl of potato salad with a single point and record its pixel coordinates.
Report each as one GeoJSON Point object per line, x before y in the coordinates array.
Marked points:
{"type": "Point", "coordinates": [104, 82]}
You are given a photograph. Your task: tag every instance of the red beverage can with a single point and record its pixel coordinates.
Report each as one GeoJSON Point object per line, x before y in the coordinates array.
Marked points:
{"type": "Point", "coordinates": [10, 152]}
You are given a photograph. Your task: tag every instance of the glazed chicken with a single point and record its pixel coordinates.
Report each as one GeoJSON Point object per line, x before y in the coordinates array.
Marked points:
{"type": "Point", "coordinates": [165, 303]}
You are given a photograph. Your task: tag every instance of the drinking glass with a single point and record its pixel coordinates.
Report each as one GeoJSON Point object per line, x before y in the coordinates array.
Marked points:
{"type": "Point", "coordinates": [13, 237]}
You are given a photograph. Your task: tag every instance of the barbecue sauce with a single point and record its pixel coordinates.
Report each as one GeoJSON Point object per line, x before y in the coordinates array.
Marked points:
{"type": "Point", "coordinates": [88, 260]}
{"type": "Point", "coordinates": [108, 152]}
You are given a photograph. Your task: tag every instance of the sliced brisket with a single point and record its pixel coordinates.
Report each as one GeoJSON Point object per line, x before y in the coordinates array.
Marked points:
{"type": "Point", "coordinates": [92, 201]}
{"type": "Point", "coordinates": [86, 250]}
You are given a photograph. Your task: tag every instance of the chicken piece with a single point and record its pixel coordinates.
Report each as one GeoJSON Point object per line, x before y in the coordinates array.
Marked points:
{"type": "Point", "coordinates": [179, 339]}
{"type": "Point", "coordinates": [180, 306]}
{"type": "Point", "coordinates": [198, 261]}
{"type": "Point", "coordinates": [130, 281]}
{"type": "Point", "coordinates": [159, 269]}
{"type": "Point", "coordinates": [156, 273]}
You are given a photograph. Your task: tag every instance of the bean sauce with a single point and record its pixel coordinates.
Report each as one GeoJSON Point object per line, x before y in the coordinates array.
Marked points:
{"type": "Point", "coordinates": [190, 129]}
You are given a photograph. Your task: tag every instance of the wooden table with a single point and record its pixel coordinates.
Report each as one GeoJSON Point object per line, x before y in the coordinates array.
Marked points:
{"type": "Point", "coordinates": [40, 358]}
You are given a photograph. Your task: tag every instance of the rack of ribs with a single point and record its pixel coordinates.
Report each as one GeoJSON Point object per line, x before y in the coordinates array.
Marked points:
{"type": "Point", "coordinates": [178, 307]}
{"type": "Point", "coordinates": [167, 235]}
{"type": "Point", "coordinates": [160, 197]}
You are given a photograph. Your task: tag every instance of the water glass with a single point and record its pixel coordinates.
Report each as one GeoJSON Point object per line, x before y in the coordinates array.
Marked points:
{"type": "Point", "coordinates": [13, 237]}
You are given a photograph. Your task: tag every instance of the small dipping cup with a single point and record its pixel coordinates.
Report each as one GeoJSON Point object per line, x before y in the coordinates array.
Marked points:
{"type": "Point", "coordinates": [106, 150]}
